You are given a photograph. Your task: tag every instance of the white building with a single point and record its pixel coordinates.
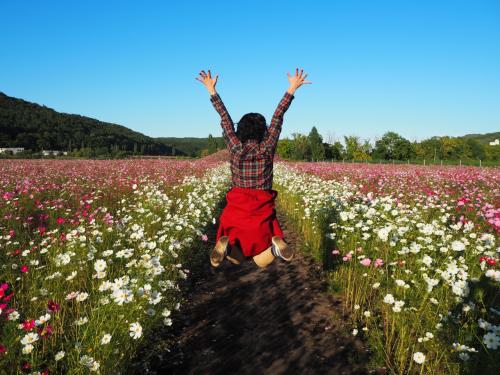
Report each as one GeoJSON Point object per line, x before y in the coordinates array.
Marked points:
{"type": "Point", "coordinates": [53, 152]}
{"type": "Point", "coordinates": [495, 142]}
{"type": "Point", "coordinates": [14, 150]}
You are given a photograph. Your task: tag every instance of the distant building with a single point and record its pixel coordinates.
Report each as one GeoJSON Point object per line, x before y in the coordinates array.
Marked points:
{"type": "Point", "coordinates": [495, 142]}
{"type": "Point", "coordinates": [53, 152]}
{"type": "Point", "coordinates": [14, 150]}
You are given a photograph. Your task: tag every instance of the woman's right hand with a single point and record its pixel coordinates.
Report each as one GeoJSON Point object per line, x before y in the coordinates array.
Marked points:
{"type": "Point", "coordinates": [208, 81]}
{"type": "Point", "coordinates": [296, 81]}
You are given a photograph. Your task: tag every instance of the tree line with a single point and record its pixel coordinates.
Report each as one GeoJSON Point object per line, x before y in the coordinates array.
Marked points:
{"type": "Point", "coordinates": [391, 146]}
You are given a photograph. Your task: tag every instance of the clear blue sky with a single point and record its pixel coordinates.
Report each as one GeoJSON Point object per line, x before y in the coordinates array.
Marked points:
{"type": "Point", "coordinates": [421, 68]}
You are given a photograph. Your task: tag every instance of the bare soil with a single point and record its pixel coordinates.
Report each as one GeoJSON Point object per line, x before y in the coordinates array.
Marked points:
{"type": "Point", "coordinates": [242, 319]}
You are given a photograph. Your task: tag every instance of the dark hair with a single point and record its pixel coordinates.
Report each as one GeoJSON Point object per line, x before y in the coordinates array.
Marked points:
{"type": "Point", "coordinates": [251, 126]}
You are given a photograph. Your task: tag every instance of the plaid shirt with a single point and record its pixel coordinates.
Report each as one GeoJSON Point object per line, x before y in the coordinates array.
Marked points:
{"type": "Point", "coordinates": [252, 162]}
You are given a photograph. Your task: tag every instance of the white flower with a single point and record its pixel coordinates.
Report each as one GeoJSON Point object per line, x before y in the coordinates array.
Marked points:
{"type": "Point", "coordinates": [100, 265]}
{"type": "Point", "coordinates": [95, 366]}
{"type": "Point", "coordinates": [29, 338]}
{"type": "Point", "coordinates": [400, 282]}
{"type": "Point", "coordinates": [59, 355]}
{"type": "Point", "coordinates": [494, 274]}
{"type": "Point", "coordinates": [81, 321]}
{"type": "Point", "coordinates": [122, 295]}
{"type": "Point", "coordinates": [427, 260]}
{"type": "Point", "coordinates": [106, 339]}
{"type": "Point", "coordinates": [389, 298]}
{"type": "Point", "coordinates": [419, 357]}
{"type": "Point", "coordinates": [135, 330]}
{"type": "Point", "coordinates": [14, 315]}
{"type": "Point", "coordinates": [82, 296]}
{"type": "Point", "coordinates": [491, 340]}
{"type": "Point", "coordinates": [86, 360]}
{"type": "Point", "coordinates": [458, 246]}
{"type": "Point", "coordinates": [27, 349]}
{"type": "Point", "coordinates": [397, 306]}
{"type": "Point", "coordinates": [383, 233]}
{"type": "Point", "coordinates": [375, 285]}
{"type": "Point", "coordinates": [354, 332]}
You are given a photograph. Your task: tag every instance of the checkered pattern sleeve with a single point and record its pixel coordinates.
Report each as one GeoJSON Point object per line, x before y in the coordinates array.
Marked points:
{"type": "Point", "coordinates": [232, 141]}
{"type": "Point", "coordinates": [273, 133]}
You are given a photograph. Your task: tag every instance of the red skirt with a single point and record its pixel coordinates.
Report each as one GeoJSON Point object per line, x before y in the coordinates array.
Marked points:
{"type": "Point", "coordinates": [249, 219]}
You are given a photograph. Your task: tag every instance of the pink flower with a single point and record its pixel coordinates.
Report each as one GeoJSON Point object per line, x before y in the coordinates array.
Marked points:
{"type": "Point", "coordinates": [335, 252]}
{"type": "Point", "coordinates": [7, 195]}
{"type": "Point", "coordinates": [347, 257]}
{"type": "Point", "coordinates": [24, 268]}
{"type": "Point", "coordinates": [60, 220]}
{"type": "Point", "coordinates": [378, 262]}
{"type": "Point", "coordinates": [204, 238]}
{"type": "Point", "coordinates": [366, 262]}
{"type": "Point", "coordinates": [3, 349]}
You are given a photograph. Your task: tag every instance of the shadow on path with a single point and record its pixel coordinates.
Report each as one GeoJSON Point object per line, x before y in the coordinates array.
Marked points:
{"type": "Point", "coordinates": [248, 320]}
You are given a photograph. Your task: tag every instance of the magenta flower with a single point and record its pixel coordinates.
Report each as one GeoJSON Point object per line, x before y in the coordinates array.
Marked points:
{"type": "Point", "coordinates": [28, 325]}
{"type": "Point", "coordinates": [24, 268]}
{"type": "Point", "coordinates": [53, 306]}
{"type": "Point", "coordinates": [204, 238]}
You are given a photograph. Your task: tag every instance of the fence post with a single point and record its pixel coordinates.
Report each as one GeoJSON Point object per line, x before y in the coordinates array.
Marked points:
{"type": "Point", "coordinates": [480, 163]}
{"type": "Point", "coordinates": [460, 162]}
{"type": "Point", "coordinates": [441, 161]}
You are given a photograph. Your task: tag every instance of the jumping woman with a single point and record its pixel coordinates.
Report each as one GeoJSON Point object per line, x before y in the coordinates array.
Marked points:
{"type": "Point", "coordinates": [248, 225]}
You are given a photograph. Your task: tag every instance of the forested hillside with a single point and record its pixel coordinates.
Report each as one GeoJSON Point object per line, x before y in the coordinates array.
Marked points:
{"type": "Point", "coordinates": [36, 127]}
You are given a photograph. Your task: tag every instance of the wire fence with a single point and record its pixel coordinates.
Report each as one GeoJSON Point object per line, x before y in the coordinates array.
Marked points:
{"type": "Point", "coordinates": [424, 162]}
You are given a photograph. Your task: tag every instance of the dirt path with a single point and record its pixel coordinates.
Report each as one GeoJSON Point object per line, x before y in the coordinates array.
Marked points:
{"type": "Point", "coordinates": [247, 320]}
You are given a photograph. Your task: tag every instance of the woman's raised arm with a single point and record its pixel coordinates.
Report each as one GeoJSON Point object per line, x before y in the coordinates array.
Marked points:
{"type": "Point", "coordinates": [232, 141]}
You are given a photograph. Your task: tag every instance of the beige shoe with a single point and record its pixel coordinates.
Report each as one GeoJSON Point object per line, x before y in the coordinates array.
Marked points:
{"type": "Point", "coordinates": [265, 258]}
{"type": "Point", "coordinates": [219, 251]}
{"type": "Point", "coordinates": [282, 249]}
{"type": "Point", "coordinates": [235, 255]}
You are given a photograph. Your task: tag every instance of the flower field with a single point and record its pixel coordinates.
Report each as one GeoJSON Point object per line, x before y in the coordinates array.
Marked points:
{"type": "Point", "coordinates": [91, 253]}
{"type": "Point", "coordinates": [414, 252]}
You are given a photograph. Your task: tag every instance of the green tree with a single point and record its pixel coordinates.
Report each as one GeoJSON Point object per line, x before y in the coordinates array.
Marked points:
{"type": "Point", "coordinates": [212, 144]}
{"type": "Point", "coordinates": [285, 148]}
{"type": "Point", "coordinates": [392, 146]}
{"type": "Point", "coordinates": [316, 145]}
{"type": "Point", "coordinates": [301, 147]}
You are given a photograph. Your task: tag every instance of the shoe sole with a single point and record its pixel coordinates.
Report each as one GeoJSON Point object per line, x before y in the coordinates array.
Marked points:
{"type": "Point", "coordinates": [219, 251]}
{"type": "Point", "coordinates": [285, 251]}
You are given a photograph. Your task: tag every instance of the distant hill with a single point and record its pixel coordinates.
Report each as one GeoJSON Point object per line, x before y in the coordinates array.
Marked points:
{"type": "Point", "coordinates": [190, 146]}
{"type": "Point", "coordinates": [36, 127]}
{"type": "Point", "coordinates": [483, 138]}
